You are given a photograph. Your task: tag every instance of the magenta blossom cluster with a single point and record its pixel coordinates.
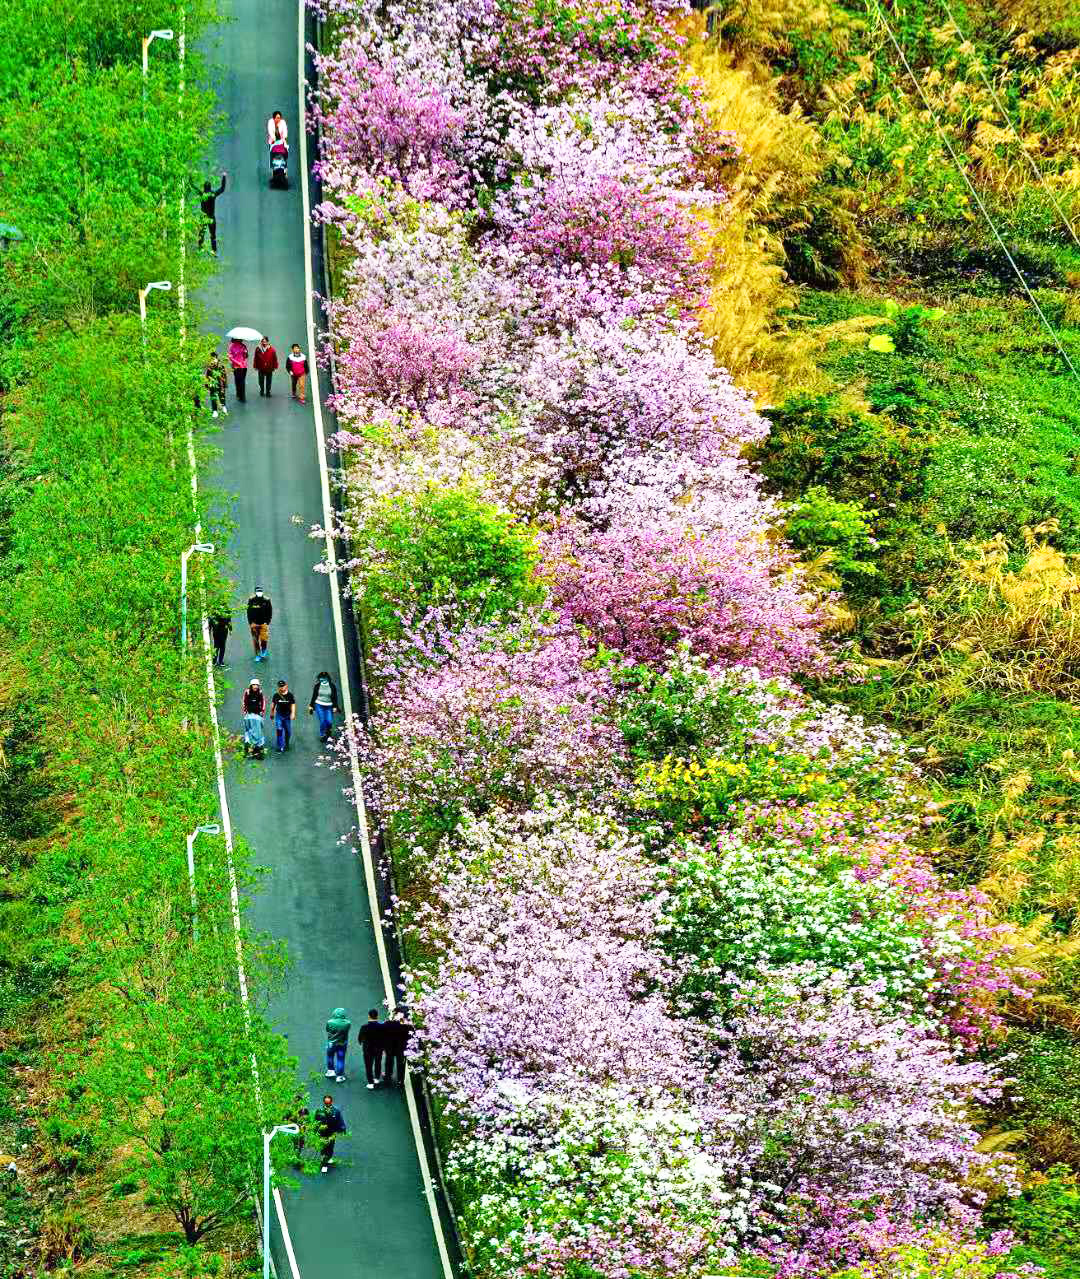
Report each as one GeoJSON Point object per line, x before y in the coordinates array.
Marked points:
{"type": "Point", "coordinates": [646, 592]}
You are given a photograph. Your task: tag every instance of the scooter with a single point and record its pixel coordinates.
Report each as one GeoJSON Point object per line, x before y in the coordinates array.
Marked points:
{"type": "Point", "coordinates": [279, 165]}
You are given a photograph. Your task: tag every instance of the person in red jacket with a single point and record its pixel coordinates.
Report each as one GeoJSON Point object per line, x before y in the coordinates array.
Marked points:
{"type": "Point", "coordinates": [266, 362]}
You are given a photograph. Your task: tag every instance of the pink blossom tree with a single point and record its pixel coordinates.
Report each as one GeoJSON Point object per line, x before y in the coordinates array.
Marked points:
{"type": "Point", "coordinates": [645, 591]}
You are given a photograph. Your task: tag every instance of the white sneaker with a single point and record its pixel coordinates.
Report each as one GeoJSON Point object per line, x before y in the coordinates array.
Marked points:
{"type": "Point", "coordinates": [329, 1074]}
{"type": "Point", "coordinates": [225, 411]}
{"type": "Point", "coordinates": [324, 1168]}
{"type": "Point", "coordinates": [371, 1085]}
{"type": "Point", "coordinates": [340, 1079]}
{"type": "Point", "coordinates": [215, 413]}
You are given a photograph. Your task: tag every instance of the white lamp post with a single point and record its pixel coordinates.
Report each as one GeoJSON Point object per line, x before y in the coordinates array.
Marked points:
{"type": "Point", "coordinates": [163, 34]}
{"type": "Point", "coordinates": [209, 828]}
{"type": "Point", "coordinates": [205, 548]}
{"type": "Point", "coordinates": [165, 286]}
{"type": "Point", "coordinates": [268, 1137]}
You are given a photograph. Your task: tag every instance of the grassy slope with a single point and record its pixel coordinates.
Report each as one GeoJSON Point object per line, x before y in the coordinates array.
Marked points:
{"type": "Point", "coordinates": [965, 433]}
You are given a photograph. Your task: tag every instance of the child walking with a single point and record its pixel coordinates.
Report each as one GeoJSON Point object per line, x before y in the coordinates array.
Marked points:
{"type": "Point", "coordinates": [296, 363]}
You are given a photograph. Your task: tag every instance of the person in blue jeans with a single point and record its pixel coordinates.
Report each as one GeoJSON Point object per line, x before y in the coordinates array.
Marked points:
{"type": "Point", "coordinates": [323, 704]}
{"type": "Point", "coordinates": [283, 709]}
{"type": "Point", "coordinates": [337, 1040]}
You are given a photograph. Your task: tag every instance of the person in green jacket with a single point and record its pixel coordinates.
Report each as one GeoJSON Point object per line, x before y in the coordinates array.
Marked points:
{"type": "Point", "coordinates": [337, 1040]}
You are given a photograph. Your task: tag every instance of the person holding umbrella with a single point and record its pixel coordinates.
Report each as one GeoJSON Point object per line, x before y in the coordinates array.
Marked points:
{"type": "Point", "coordinates": [238, 355]}
{"type": "Point", "coordinates": [238, 358]}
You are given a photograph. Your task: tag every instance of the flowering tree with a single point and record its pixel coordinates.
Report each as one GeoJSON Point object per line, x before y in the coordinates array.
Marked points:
{"type": "Point", "coordinates": [491, 724]}
{"type": "Point", "coordinates": [645, 591]}
{"type": "Point", "coordinates": [547, 980]}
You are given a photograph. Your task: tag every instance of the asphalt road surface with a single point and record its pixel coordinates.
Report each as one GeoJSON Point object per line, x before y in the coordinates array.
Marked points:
{"type": "Point", "coordinates": [368, 1215]}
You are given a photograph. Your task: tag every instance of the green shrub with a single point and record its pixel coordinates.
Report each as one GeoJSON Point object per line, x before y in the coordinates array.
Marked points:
{"type": "Point", "coordinates": [857, 456]}
{"type": "Point", "coordinates": [66, 1236]}
{"type": "Point", "coordinates": [1047, 1094]}
{"type": "Point", "coordinates": [1046, 1218]}
{"type": "Point", "coordinates": [443, 549]}
{"type": "Point", "coordinates": [818, 522]}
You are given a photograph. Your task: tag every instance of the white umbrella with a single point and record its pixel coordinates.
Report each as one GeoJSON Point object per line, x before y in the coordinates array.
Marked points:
{"type": "Point", "coordinates": [245, 335]}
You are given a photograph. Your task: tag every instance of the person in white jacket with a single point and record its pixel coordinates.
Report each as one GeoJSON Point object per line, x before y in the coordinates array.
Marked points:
{"type": "Point", "coordinates": [277, 130]}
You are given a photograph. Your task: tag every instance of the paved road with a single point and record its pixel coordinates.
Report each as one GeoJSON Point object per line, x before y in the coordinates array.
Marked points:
{"type": "Point", "coordinates": [369, 1215]}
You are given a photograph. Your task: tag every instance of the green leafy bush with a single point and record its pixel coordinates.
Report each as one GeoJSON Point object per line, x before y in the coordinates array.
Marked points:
{"type": "Point", "coordinates": [443, 549]}
{"type": "Point", "coordinates": [1047, 1095]}
{"type": "Point", "coordinates": [817, 440]}
{"type": "Point", "coordinates": [1046, 1218]}
{"type": "Point", "coordinates": [818, 522]}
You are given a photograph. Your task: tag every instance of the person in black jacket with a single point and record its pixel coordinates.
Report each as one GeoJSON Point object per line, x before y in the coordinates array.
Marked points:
{"type": "Point", "coordinates": [396, 1034]}
{"type": "Point", "coordinates": [220, 626]}
{"type": "Point", "coordinates": [324, 703]}
{"type": "Point", "coordinates": [329, 1122]}
{"type": "Point", "coordinates": [370, 1038]}
{"type": "Point", "coordinates": [260, 611]}
{"type": "Point", "coordinates": [208, 204]}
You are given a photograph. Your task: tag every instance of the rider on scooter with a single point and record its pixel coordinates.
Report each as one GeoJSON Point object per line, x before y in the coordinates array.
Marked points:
{"type": "Point", "coordinates": [277, 130]}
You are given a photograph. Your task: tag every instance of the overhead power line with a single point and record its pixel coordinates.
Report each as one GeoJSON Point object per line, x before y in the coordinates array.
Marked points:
{"type": "Point", "coordinates": [974, 194]}
{"type": "Point", "coordinates": [1039, 175]}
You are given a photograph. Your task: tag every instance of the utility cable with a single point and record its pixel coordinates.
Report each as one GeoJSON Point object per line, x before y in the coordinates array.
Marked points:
{"type": "Point", "coordinates": [1040, 176]}
{"type": "Point", "coordinates": [974, 194]}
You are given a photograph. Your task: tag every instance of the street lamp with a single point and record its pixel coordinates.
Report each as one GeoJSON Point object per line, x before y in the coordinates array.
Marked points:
{"type": "Point", "coordinates": [9, 234]}
{"type": "Point", "coordinates": [209, 828]}
{"type": "Point", "coordinates": [205, 548]}
{"type": "Point", "coordinates": [268, 1137]}
{"type": "Point", "coordinates": [165, 286]}
{"type": "Point", "coordinates": [162, 34]}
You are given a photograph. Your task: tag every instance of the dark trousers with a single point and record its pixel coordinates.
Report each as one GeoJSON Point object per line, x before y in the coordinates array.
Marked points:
{"type": "Point", "coordinates": [209, 225]}
{"type": "Point", "coordinates": [394, 1057]}
{"type": "Point", "coordinates": [372, 1063]}
{"type": "Point", "coordinates": [219, 648]}
{"type": "Point", "coordinates": [328, 1149]}
{"type": "Point", "coordinates": [240, 378]}
{"type": "Point", "coordinates": [264, 382]}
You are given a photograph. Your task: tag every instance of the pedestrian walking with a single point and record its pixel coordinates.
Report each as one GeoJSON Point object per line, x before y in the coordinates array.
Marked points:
{"type": "Point", "coordinates": [208, 204]}
{"type": "Point", "coordinates": [265, 362]}
{"type": "Point", "coordinates": [260, 612]}
{"type": "Point", "coordinates": [254, 709]}
{"type": "Point", "coordinates": [323, 704]}
{"type": "Point", "coordinates": [370, 1037]}
{"type": "Point", "coordinates": [217, 381]}
{"type": "Point", "coordinates": [283, 710]}
{"type": "Point", "coordinates": [220, 626]}
{"type": "Point", "coordinates": [296, 363]}
{"type": "Point", "coordinates": [329, 1125]}
{"type": "Point", "coordinates": [238, 358]}
{"type": "Point", "coordinates": [396, 1034]}
{"type": "Point", "coordinates": [337, 1042]}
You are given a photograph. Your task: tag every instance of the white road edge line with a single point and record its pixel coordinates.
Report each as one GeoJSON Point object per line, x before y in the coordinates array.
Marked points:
{"type": "Point", "coordinates": [286, 1238]}
{"type": "Point", "coordinates": [339, 630]}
